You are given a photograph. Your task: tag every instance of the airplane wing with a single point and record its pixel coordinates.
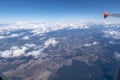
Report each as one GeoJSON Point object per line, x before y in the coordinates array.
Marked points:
{"type": "Point", "coordinates": [106, 14]}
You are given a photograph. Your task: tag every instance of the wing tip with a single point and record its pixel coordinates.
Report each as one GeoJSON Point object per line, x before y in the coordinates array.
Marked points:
{"type": "Point", "coordinates": [106, 14]}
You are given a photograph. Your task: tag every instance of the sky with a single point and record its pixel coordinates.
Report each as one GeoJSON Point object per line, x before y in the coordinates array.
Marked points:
{"type": "Point", "coordinates": [41, 10]}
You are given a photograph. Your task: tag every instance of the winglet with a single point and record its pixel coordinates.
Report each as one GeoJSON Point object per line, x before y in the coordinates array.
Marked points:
{"type": "Point", "coordinates": [106, 14]}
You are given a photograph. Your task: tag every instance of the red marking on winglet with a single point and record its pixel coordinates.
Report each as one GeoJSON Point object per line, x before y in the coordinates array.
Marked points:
{"type": "Point", "coordinates": [106, 14]}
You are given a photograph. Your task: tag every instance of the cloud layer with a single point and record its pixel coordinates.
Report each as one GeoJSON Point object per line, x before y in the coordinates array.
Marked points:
{"type": "Point", "coordinates": [40, 29]}
{"type": "Point", "coordinates": [17, 51]}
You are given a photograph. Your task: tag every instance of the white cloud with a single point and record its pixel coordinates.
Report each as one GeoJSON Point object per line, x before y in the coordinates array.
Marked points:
{"type": "Point", "coordinates": [30, 45]}
{"type": "Point", "coordinates": [10, 36]}
{"type": "Point", "coordinates": [2, 37]}
{"type": "Point", "coordinates": [6, 53]}
{"type": "Point", "coordinates": [19, 52]}
{"type": "Point", "coordinates": [95, 43]}
{"type": "Point", "coordinates": [36, 53]}
{"type": "Point", "coordinates": [113, 23]}
{"type": "Point", "coordinates": [91, 44]}
{"type": "Point", "coordinates": [14, 35]}
{"type": "Point", "coordinates": [112, 34]}
{"type": "Point", "coordinates": [50, 42]}
{"type": "Point", "coordinates": [117, 55]}
{"type": "Point", "coordinates": [26, 38]}
{"type": "Point", "coordinates": [87, 44]}
{"type": "Point", "coordinates": [41, 28]}
{"type": "Point", "coordinates": [14, 47]}
{"type": "Point", "coordinates": [39, 53]}
{"type": "Point", "coordinates": [14, 52]}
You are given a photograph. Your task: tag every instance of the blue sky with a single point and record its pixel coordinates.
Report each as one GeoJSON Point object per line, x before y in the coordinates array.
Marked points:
{"type": "Point", "coordinates": [36, 10]}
